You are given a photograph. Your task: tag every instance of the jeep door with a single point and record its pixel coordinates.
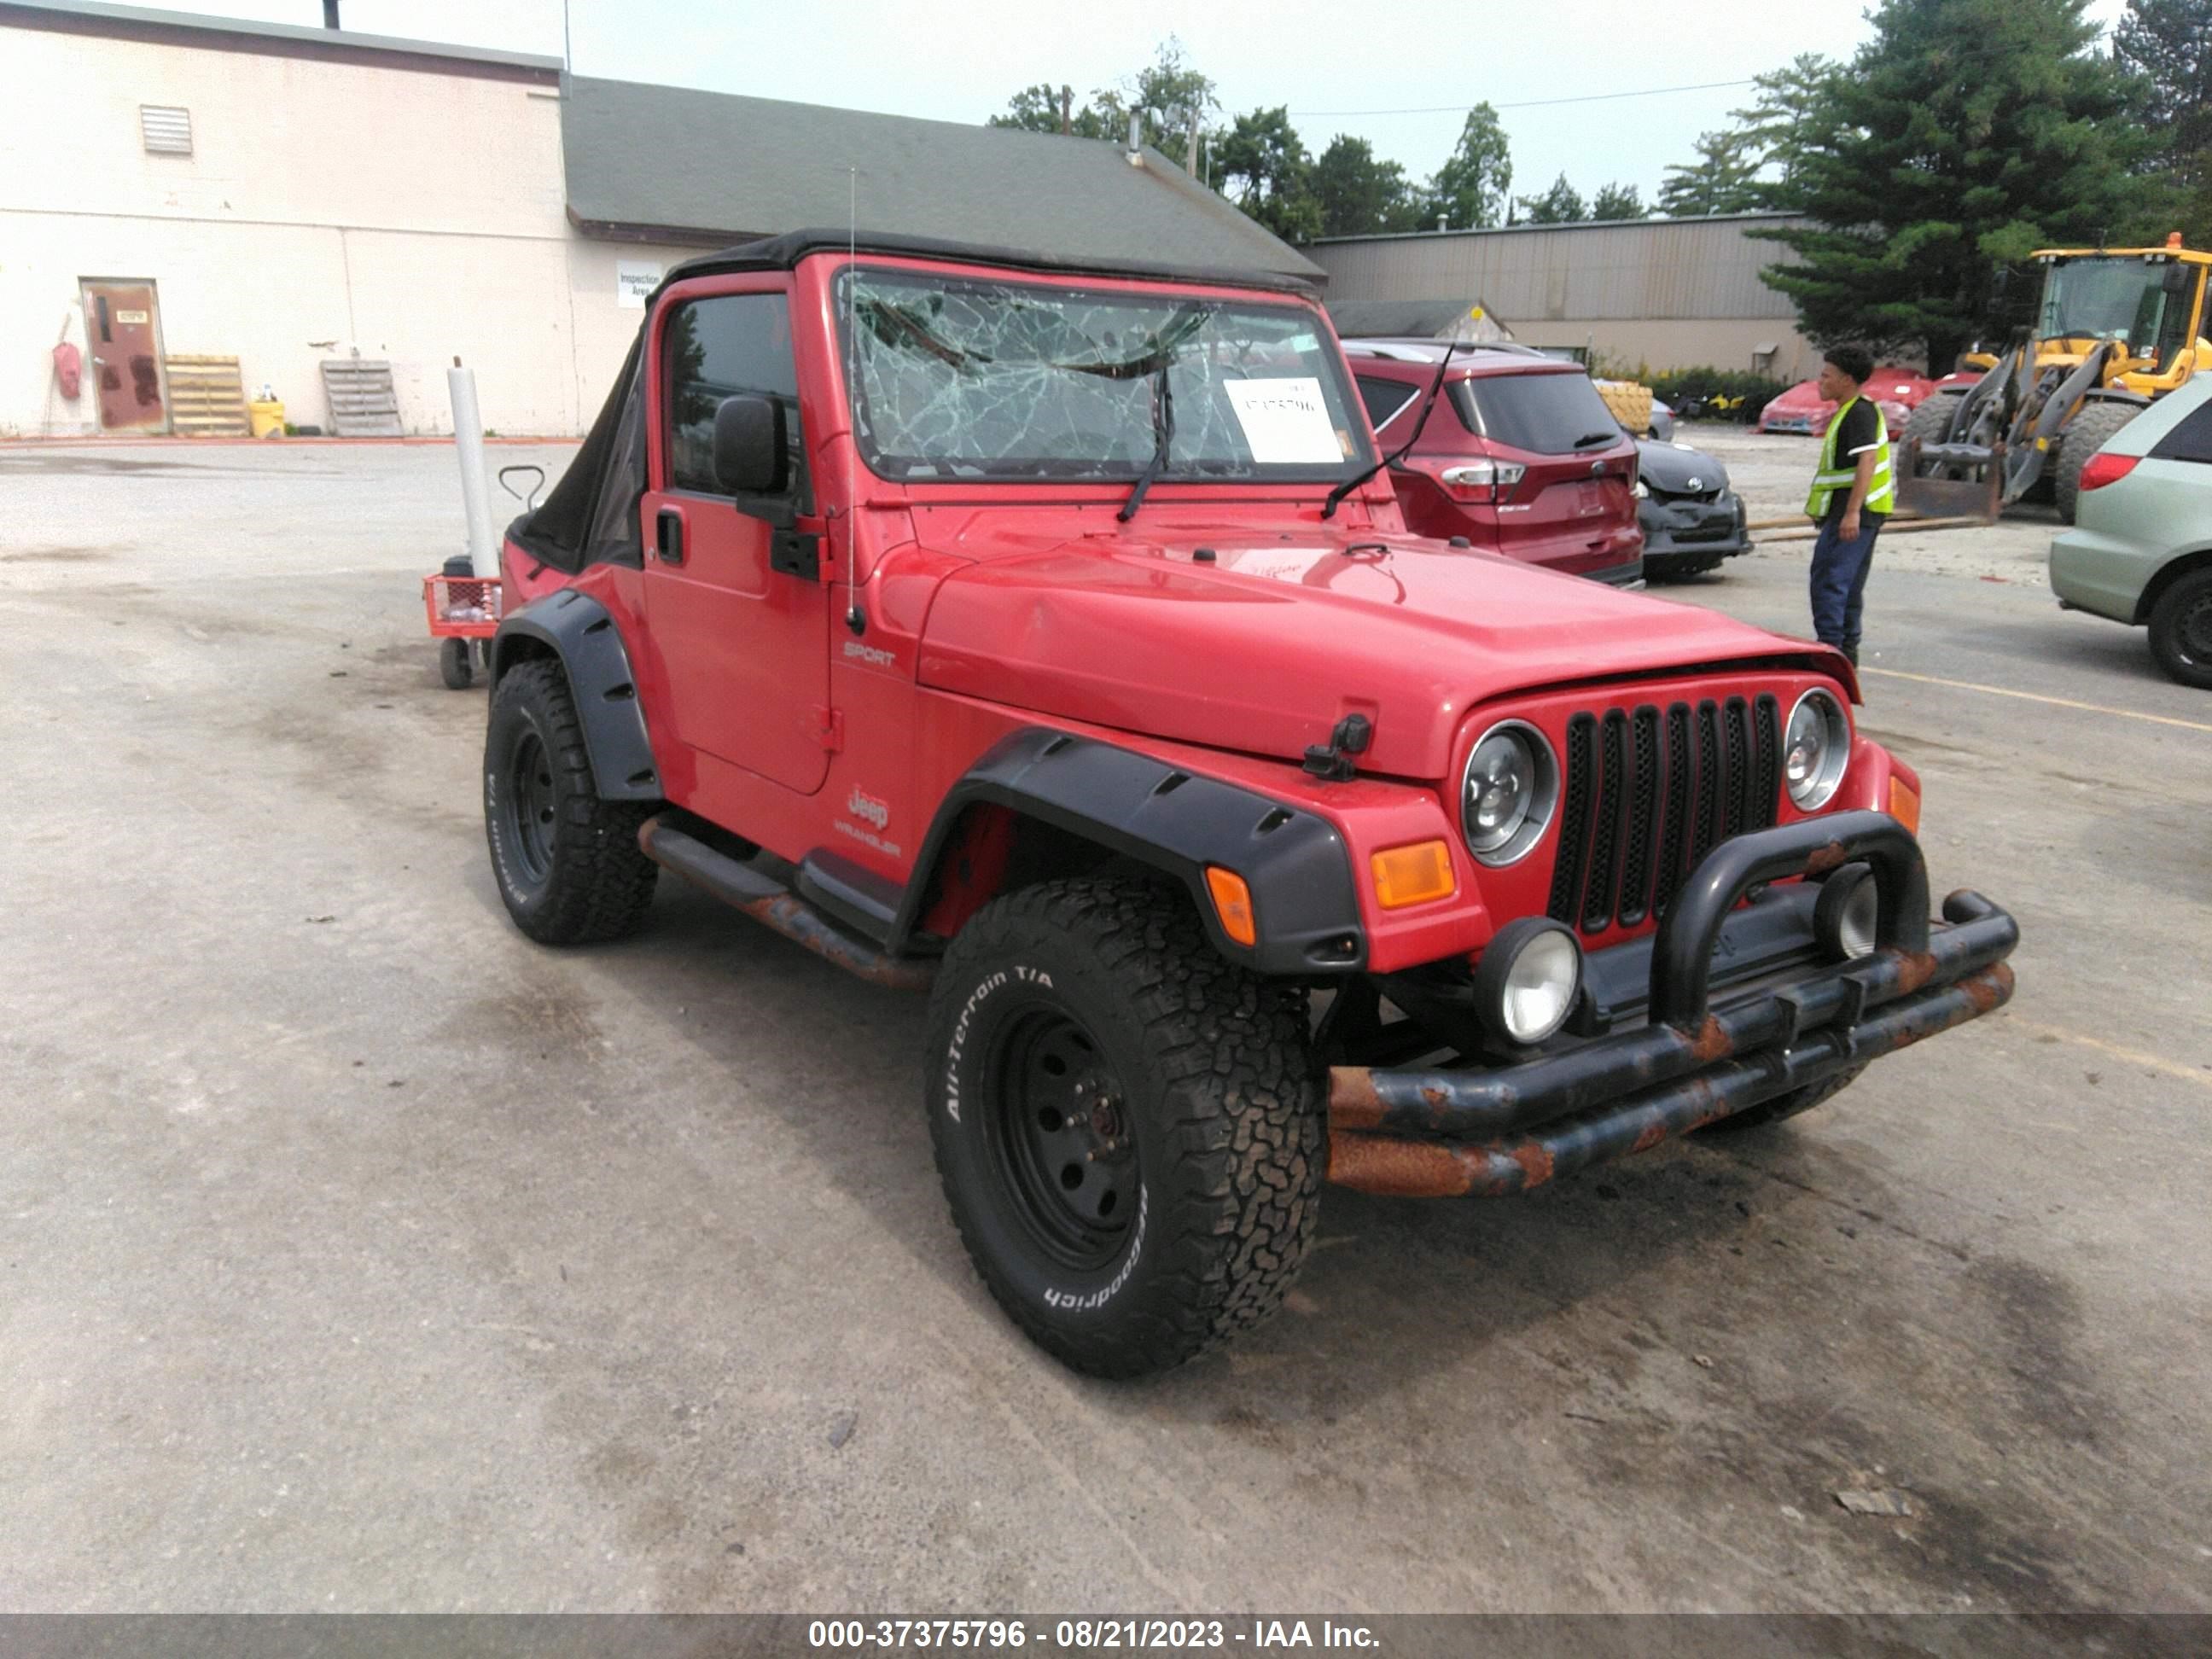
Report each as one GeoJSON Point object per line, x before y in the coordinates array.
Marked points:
{"type": "Point", "coordinates": [745, 644]}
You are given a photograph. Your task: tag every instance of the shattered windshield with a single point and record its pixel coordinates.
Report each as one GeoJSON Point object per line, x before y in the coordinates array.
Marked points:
{"type": "Point", "coordinates": [982, 379]}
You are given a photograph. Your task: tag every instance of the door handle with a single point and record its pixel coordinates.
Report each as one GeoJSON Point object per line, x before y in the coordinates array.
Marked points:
{"type": "Point", "coordinates": [668, 536]}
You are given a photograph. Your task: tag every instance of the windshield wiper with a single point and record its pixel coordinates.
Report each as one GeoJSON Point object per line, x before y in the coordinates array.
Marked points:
{"type": "Point", "coordinates": [1162, 435]}
{"type": "Point", "coordinates": [1336, 495]}
{"type": "Point", "coordinates": [1590, 438]}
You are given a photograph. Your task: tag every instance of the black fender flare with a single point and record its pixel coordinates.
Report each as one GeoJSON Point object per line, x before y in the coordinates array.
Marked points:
{"type": "Point", "coordinates": [578, 631]}
{"type": "Point", "coordinates": [1304, 904]}
{"type": "Point", "coordinates": [2116, 394]}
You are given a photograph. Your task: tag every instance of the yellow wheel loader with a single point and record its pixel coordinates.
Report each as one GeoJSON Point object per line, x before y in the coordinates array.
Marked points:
{"type": "Point", "coordinates": [2117, 328]}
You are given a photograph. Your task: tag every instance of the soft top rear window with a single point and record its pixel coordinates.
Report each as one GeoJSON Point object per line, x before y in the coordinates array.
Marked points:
{"type": "Point", "coordinates": [1543, 413]}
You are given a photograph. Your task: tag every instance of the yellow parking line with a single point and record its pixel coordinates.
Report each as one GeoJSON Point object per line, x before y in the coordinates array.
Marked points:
{"type": "Point", "coordinates": [2196, 1074]}
{"type": "Point", "coordinates": [2035, 697]}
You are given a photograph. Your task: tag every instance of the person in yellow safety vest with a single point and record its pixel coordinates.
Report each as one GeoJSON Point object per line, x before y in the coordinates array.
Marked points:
{"type": "Point", "coordinates": [1853, 493]}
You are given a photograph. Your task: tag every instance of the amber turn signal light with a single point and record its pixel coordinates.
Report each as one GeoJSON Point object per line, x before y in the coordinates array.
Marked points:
{"type": "Point", "coordinates": [1232, 902]}
{"type": "Point", "coordinates": [1413, 875]}
{"type": "Point", "coordinates": [1905, 804]}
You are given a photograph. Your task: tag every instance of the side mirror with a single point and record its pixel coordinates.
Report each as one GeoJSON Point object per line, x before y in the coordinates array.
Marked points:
{"type": "Point", "coordinates": [749, 446]}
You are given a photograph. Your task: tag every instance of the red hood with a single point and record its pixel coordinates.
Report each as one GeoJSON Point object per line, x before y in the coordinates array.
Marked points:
{"type": "Point", "coordinates": [1265, 648]}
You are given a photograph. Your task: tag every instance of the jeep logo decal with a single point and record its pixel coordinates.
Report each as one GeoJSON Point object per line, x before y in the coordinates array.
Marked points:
{"type": "Point", "coordinates": [867, 808]}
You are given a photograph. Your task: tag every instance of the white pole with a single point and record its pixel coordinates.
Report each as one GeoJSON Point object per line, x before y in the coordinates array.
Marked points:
{"type": "Point", "coordinates": [468, 448]}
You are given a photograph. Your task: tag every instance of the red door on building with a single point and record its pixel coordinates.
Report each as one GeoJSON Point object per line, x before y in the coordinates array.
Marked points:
{"type": "Point", "coordinates": [123, 332]}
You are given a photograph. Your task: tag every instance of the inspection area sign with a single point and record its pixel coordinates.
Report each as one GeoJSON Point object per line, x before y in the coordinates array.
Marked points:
{"type": "Point", "coordinates": [633, 280]}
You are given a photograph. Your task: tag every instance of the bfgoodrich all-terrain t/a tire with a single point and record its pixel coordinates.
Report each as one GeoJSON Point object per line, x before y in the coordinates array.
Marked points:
{"type": "Point", "coordinates": [568, 863]}
{"type": "Point", "coordinates": [1129, 1128]}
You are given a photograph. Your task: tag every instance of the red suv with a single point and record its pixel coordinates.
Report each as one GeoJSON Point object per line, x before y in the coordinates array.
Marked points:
{"type": "Point", "coordinates": [1038, 632]}
{"type": "Point", "coordinates": [1520, 455]}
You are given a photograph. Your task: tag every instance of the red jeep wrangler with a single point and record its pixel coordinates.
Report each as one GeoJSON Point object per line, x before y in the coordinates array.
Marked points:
{"type": "Point", "coordinates": [1045, 635]}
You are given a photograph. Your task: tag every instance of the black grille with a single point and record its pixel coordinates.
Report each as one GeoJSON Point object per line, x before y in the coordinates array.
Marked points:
{"type": "Point", "coordinates": [1612, 794]}
{"type": "Point", "coordinates": [1649, 793]}
{"type": "Point", "coordinates": [1643, 819]}
{"type": "Point", "coordinates": [1574, 818]}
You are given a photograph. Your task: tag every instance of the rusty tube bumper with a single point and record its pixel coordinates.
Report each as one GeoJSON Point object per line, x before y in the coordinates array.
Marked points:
{"type": "Point", "coordinates": [1499, 1130]}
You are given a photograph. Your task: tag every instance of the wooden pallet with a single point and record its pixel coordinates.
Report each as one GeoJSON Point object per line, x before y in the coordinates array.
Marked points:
{"type": "Point", "coordinates": [363, 402]}
{"type": "Point", "coordinates": [207, 400]}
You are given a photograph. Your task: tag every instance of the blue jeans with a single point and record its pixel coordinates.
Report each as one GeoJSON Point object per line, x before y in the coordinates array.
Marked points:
{"type": "Point", "coordinates": [1839, 578]}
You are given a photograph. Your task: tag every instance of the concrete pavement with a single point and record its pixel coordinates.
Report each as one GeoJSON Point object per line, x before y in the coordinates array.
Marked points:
{"type": "Point", "coordinates": [358, 1255]}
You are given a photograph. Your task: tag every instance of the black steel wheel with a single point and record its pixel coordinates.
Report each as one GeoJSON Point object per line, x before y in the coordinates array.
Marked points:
{"type": "Point", "coordinates": [1062, 1143]}
{"type": "Point", "coordinates": [527, 804]}
{"type": "Point", "coordinates": [2181, 630]}
{"type": "Point", "coordinates": [1130, 1129]}
{"type": "Point", "coordinates": [568, 863]}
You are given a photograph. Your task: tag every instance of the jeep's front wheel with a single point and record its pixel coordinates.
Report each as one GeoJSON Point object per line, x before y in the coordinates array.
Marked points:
{"type": "Point", "coordinates": [568, 863]}
{"type": "Point", "coordinates": [1129, 1128]}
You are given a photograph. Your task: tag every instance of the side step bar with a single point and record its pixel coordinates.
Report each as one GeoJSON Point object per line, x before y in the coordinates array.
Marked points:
{"type": "Point", "coordinates": [768, 901]}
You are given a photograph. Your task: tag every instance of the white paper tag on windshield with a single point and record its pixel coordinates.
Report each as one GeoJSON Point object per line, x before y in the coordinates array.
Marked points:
{"type": "Point", "coordinates": [1285, 422]}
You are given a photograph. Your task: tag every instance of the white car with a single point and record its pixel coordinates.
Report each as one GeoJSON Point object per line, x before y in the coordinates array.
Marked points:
{"type": "Point", "coordinates": [2140, 548]}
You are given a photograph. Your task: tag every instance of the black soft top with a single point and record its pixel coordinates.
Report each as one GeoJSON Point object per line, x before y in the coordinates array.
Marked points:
{"type": "Point", "coordinates": [784, 252]}
{"type": "Point", "coordinates": [591, 515]}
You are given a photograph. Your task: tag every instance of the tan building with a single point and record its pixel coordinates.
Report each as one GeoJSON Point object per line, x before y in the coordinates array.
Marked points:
{"type": "Point", "coordinates": [175, 186]}
{"type": "Point", "coordinates": [1662, 293]}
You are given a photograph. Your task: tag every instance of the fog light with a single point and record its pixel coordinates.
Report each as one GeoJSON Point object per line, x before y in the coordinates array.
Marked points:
{"type": "Point", "coordinates": [1526, 983]}
{"type": "Point", "coordinates": [1848, 912]}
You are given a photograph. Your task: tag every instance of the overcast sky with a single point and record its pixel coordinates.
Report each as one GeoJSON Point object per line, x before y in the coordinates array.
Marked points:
{"type": "Point", "coordinates": [960, 60]}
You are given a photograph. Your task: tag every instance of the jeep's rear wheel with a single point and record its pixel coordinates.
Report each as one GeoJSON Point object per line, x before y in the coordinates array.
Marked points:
{"type": "Point", "coordinates": [1129, 1128]}
{"type": "Point", "coordinates": [567, 864]}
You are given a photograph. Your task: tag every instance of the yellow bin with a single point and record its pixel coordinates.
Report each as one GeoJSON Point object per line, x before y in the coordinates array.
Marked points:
{"type": "Point", "coordinates": [267, 417]}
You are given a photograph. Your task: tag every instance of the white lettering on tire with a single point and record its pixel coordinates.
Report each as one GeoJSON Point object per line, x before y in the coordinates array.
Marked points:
{"type": "Point", "coordinates": [1069, 1302]}
{"type": "Point", "coordinates": [989, 983]}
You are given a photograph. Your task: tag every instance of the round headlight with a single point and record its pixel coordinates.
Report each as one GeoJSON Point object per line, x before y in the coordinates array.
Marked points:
{"type": "Point", "coordinates": [1509, 792]}
{"type": "Point", "coordinates": [1816, 747]}
{"type": "Point", "coordinates": [1526, 984]}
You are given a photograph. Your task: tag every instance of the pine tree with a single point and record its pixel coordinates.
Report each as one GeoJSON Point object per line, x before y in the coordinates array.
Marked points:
{"type": "Point", "coordinates": [1618, 202]}
{"type": "Point", "coordinates": [1357, 195]}
{"type": "Point", "coordinates": [1788, 119]}
{"type": "Point", "coordinates": [1724, 179]}
{"type": "Point", "coordinates": [1965, 134]}
{"type": "Point", "coordinates": [1562, 205]}
{"type": "Point", "coordinates": [2169, 43]}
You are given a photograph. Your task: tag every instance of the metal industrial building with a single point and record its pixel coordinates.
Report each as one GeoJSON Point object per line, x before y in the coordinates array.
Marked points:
{"type": "Point", "coordinates": [187, 200]}
{"type": "Point", "coordinates": [1661, 293]}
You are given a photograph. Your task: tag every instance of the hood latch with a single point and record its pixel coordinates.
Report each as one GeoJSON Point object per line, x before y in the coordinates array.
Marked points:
{"type": "Point", "coordinates": [1332, 762]}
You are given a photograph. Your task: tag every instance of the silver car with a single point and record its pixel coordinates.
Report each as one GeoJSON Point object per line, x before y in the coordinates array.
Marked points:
{"type": "Point", "coordinates": [2140, 548]}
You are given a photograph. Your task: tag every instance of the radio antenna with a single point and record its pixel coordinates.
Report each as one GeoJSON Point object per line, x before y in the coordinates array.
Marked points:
{"type": "Point", "coordinates": [854, 620]}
